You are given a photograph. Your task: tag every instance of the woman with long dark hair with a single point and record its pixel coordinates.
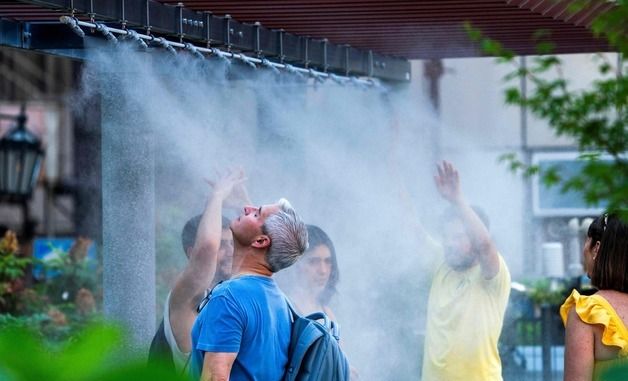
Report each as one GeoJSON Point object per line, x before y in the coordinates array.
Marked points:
{"type": "Point", "coordinates": [311, 282]}
{"type": "Point", "coordinates": [596, 337]}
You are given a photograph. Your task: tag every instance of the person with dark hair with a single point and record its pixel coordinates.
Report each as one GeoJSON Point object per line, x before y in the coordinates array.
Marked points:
{"type": "Point", "coordinates": [244, 327]}
{"type": "Point", "coordinates": [208, 245]}
{"type": "Point", "coordinates": [311, 282]}
{"type": "Point", "coordinates": [596, 337]}
{"type": "Point", "coordinates": [469, 292]}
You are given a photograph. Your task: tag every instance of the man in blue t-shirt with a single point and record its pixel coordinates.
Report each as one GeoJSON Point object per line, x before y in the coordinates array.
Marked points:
{"type": "Point", "coordinates": [243, 332]}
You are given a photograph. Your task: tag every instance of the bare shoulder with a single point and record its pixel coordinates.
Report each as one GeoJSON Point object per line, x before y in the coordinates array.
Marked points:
{"type": "Point", "coordinates": [329, 313]}
{"type": "Point", "coordinates": [619, 302]}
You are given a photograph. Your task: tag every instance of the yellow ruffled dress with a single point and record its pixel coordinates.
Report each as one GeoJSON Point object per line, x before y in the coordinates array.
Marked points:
{"type": "Point", "coordinates": [595, 309]}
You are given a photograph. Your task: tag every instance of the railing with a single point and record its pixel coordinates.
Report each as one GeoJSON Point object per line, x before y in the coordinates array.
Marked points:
{"type": "Point", "coordinates": [532, 343]}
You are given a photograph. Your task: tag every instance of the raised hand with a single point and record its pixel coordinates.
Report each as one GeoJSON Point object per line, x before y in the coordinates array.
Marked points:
{"type": "Point", "coordinates": [228, 183]}
{"type": "Point", "coordinates": [238, 196]}
{"type": "Point", "coordinates": [448, 182]}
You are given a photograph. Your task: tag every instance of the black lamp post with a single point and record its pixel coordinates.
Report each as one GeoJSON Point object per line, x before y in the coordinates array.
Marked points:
{"type": "Point", "coordinates": [20, 160]}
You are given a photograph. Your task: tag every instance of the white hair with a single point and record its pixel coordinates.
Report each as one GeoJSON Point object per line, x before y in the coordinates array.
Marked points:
{"type": "Point", "coordinates": [288, 236]}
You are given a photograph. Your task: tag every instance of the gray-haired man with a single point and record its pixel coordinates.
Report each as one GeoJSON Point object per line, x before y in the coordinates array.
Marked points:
{"type": "Point", "coordinates": [243, 332]}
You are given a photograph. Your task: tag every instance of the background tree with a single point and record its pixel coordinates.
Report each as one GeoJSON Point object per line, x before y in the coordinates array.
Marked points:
{"type": "Point", "coordinates": [595, 117]}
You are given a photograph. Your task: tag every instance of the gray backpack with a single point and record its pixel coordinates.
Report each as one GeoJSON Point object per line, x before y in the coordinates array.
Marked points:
{"type": "Point", "coordinates": [314, 353]}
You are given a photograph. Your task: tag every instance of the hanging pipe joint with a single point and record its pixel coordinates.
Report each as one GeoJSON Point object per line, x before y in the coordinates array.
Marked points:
{"type": "Point", "coordinates": [292, 70]}
{"type": "Point", "coordinates": [221, 55]}
{"type": "Point", "coordinates": [102, 28]}
{"type": "Point", "coordinates": [194, 51]}
{"type": "Point", "coordinates": [133, 35]}
{"type": "Point", "coordinates": [268, 64]}
{"type": "Point", "coordinates": [164, 44]}
{"type": "Point", "coordinates": [73, 24]}
{"type": "Point", "coordinates": [317, 77]}
{"type": "Point", "coordinates": [337, 79]}
{"type": "Point", "coordinates": [245, 59]}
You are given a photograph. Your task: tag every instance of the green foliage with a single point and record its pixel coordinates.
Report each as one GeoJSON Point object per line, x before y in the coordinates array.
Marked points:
{"type": "Point", "coordinates": [546, 292]}
{"type": "Point", "coordinates": [72, 271]}
{"type": "Point", "coordinates": [12, 269]}
{"type": "Point", "coordinates": [96, 353]}
{"type": "Point", "coordinates": [58, 306]}
{"type": "Point", "coordinates": [596, 118]}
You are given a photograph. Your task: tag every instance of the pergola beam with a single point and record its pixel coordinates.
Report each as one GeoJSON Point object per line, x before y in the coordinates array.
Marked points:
{"type": "Point", "coordinates": [206, 29]}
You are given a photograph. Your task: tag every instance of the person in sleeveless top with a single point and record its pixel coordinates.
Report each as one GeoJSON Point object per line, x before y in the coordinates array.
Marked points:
{"type": "Point", "coordinates": [596, 337]}
{"type": "Point", "coordinates": [208, 244]}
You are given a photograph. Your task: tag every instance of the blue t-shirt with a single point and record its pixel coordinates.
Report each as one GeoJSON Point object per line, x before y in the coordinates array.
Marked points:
{"type": "Point", "coordinates": [247, 315]}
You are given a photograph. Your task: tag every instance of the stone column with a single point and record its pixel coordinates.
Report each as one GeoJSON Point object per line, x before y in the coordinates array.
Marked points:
{"type": "Point", "coordinates": [128, 200]}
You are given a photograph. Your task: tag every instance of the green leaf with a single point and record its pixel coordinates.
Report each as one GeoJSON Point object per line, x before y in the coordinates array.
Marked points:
{"type": "Point", "coordinates": [513, 95]}
{"type": "Point", "coordinates": [474, 33]}
{"type": "Point", "coordinates": [546, 47]}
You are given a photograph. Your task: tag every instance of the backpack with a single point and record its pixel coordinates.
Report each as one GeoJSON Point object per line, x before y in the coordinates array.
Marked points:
{"type": "Point", "coordinates": [314, 353]}
{"type": "Point", "coordinates": [160, 352]}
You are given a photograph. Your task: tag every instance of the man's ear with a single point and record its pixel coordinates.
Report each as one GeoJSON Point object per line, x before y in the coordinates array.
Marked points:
{"type": "Point", "coordinates": [261, 242]}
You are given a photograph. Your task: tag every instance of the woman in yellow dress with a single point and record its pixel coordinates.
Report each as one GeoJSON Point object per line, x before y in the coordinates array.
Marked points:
{"type": "Point", "coordinates": [596, 337]}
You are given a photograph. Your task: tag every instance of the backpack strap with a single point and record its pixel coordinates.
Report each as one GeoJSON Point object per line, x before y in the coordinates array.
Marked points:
{"type": "Point", "coordinates": [331, 326]}
{"type": "Point", "coordinates": [294, 315]}
{"type": "Point", "coordinates": [206, 298]}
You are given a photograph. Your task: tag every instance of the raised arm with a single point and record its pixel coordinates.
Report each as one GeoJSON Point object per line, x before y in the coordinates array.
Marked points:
{"type": "Point", "coordinates": [448, 185]}
{"type": "Point", "coordinates": [201, 266]}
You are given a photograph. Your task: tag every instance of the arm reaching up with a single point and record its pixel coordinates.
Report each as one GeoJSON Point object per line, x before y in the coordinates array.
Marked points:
{"type": "Point", "coordinates": [448, 184]}
{"type": "Point", "coordinates": [202, 261]}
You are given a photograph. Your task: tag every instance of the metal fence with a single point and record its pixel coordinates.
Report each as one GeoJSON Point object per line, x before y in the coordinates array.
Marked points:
{"type": "Point", "coordinates": [532, 344]}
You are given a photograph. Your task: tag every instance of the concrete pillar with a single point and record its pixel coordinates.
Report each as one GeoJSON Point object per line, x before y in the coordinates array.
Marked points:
{"type": "Point", "coordinates": [128, 199]}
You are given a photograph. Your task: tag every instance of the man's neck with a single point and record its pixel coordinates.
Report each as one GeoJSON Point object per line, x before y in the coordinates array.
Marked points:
{"type": "Point", "coordinates": [249, 262]}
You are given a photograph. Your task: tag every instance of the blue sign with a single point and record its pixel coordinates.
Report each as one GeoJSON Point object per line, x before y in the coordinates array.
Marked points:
{"type": "Point", "coordinates": [51, 249]}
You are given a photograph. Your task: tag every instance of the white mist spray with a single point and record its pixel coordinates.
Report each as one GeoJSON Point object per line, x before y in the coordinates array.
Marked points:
{"type": "Point", "coordinates": [341, 154]}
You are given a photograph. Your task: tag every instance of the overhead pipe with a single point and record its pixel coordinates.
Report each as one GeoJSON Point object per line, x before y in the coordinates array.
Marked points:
{"type": "Point", "coordinates": [170, 45]}
{"type": "Point", "coordinates": [102, 28]}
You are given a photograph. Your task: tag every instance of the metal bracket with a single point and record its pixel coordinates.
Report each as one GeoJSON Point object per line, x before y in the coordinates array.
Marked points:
{"type": "Point", "coordinates": [179, 17]}
{"type": "Point", "coordinates": [346, 63]}
{"type": "Point", "coordinates": [280, 34]}
{"type": "Point", "coordinates": [123, 20]}
{"type": "Point", "coordinates": [207, 26]}
{"type": "Point", "coordinates": [228, 31]}
{"type": "Point", "coordinates": [147, 2]}
{"type": "Point", "coordinates": [306, 53]}
{"type": "Point", "coordinates": [325, 66]}
{"type": "Point", "coordinates": [256, 44]}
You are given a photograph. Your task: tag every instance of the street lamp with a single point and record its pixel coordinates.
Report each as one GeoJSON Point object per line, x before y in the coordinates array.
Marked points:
{"type": "Point", "coordinates": [20, 160]}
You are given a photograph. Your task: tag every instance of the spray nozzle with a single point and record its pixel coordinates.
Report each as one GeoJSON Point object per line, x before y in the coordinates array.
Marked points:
{"type": "Point", "coordinates": [192, 49]}
{"type": "Point", "coordinates": [102, 28]}
{"type": "Point", "coordinates": [337, 79]}
{"type": "Point", "coordinates": [268, 64]}
{"type": "Point", "coordinates": [133, 35]}
{"type": "Point", "coordinates": [165, 44]}
{"type": "Point", "coordinates": [317, 77]}
{"type": "Point", "coordinates": [218, 53]}
{"type": "Point", "coordinates": [73, 24]}
{"type": "Point", "coordinates": [246, 60]}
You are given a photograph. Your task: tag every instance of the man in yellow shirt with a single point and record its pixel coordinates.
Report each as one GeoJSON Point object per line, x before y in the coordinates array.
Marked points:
{"type": "Point", "coordinates": [468, 296]}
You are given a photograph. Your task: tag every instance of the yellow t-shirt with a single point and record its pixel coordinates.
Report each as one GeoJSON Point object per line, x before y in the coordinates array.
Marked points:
{"type": "Point", "coordinates": [465, 314]}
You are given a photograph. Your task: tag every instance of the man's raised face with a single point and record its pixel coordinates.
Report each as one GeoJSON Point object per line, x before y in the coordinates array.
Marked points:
{"type": "Point", "coordinates": [248, 225]}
